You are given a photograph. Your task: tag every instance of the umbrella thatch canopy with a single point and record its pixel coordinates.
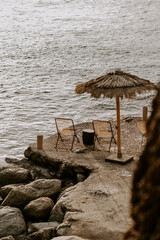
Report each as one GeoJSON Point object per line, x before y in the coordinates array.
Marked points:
{"type": "Point", "coordinates": [116, 84]}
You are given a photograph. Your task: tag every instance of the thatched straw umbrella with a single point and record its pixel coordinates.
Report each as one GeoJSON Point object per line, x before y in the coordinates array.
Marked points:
{"type": "Point", "coordinates": [116, 84]}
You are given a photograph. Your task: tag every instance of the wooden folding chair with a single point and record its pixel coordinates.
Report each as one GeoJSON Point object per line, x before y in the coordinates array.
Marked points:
{"type": "Point", "coordinates": [103, 129]}
{"type": "Point", "coordinates": [142, 128]}
{"type": "Point", "coordinates": [65, 127]}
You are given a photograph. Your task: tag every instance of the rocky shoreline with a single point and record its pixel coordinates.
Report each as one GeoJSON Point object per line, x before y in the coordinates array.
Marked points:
{"type": "Point", "coordinates": [66, 195]}
{"type": "Point", "coordinates": [29, 192]}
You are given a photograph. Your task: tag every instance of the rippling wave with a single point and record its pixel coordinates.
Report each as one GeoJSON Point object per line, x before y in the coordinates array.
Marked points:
{"type": "Point", "coordinates": [47, 47]}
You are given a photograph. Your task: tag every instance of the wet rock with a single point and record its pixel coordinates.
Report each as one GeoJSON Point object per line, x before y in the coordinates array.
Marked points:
{"type": "Point", "coordinates": [11, 222]}
{"type": "Point", "coordinates": [38, 209]}
{"type": "Point", "coordinates": [43, 234]}
{"type": "Point", "coordinates": [11, 175]}
{"type": "Point", "coordinates": [21, 196]}
{"type": "Point", "coordinates": [34, 227]}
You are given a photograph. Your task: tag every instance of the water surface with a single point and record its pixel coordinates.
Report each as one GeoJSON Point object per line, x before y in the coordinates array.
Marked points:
{"type": "Point", "coordinates": [47, 47]}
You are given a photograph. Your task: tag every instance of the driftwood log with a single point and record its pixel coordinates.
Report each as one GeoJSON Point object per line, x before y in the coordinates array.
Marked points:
{"type": "Point", "coordinates": [145, 200]}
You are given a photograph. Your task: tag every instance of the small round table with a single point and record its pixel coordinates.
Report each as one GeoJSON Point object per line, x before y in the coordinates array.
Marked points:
{"type": "Point", "coordinates": [88, 136]}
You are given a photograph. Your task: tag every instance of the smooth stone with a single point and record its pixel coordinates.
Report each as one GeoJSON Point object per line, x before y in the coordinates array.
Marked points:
{"type": "Point", "coordinates": [11, 175]}
{"type": "Point", "coordinates": [11, 222]}
{"type": "Point", "coordinates": [21, 196]}
{"type": "Point", "coordinates": [36, 170]}
{"type": "Point", "coordinates": [7, 188]}
{"type": "Point", "coordinates": [43, 234]}
{"type": "Point", "coordinates": [34, 227]}
{"type": "Point", "coordinates": [38, 209]}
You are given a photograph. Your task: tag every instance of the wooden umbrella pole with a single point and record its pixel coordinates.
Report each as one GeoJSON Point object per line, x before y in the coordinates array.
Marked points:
{"type": "Point", "coordinates": [119, 154]}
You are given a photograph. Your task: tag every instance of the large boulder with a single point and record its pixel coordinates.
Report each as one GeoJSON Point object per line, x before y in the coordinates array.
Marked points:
{"type": "Point", "coordinates": [34, 227]}
{"type": "Point", "coordinates": [57, 213]}
{"type": "Point", "coordinates": [21, 196]}
{"type": "Point", "coordinates": [36, 169]}
{"type": "Point", "coordinates": [11, 175]}
{"type": "Point", "coordinates": [11, 222]}
{"type": "Point", "coordinates": [38, 209]}
{"type": "Point", "coordinates": [43, 234]}
{"type": "Point", "coordinates": [6, 189]}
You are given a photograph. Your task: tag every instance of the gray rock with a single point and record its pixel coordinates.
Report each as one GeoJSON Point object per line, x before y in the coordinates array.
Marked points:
{"type": "Point", "coordinates": [34, 227]}
{"type": "Point", "coordinates": [22, 237]}
{"type": "Point", "coordinates": [62, 228]}
{"type": "Point", "coordinates": [36, 170]}
{"type": "Point", "coordinates": [11, 222]}
{"type": "Point", "coordinates": [6, 189]}
{"type": "Point", "coordinates": [39, 209]}
{"type": "Point", "coordinates": [61, 231]}
{"type": "Point", "coordinates": [21, 196]}
{"type": "Point", "coordinates": [11, 175]}
{"type": "Point", "coordinates": [57, 213]}
{"type": "Point", "coordinates": [43, 234]}
{"type": "Point", "coordinates": [7, 238]}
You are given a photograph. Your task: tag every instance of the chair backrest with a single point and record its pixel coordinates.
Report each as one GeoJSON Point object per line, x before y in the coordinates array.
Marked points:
{"type": "Point", "coordinates": [142, 126]}
{"type": "Point", "coordinates": [64, 123]}
{"type": "Point", "coordinates": [99, 125]}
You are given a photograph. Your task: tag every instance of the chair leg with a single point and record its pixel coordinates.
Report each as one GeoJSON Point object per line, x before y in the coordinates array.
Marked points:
{"type": "Point", "coordinates": [72, 143]}
{"type": "Point", "coordinates": [98, 140]}
{"type": "Point", "coordinates": [110, 145]}
{"type": "Point", "coordinates": [57, 141]}
{"type": "Point", "coordinates": [59, 136]}
{"type": "Point", "coordinates": [94, 144]}
{"type": "Point", "coordinates": [77, 138]}
{"type": "Point", "coordinates": [114, 140]}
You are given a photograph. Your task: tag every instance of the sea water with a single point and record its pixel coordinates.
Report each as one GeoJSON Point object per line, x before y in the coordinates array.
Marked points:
{"type": "Point", "coordinates": [47, 47]}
